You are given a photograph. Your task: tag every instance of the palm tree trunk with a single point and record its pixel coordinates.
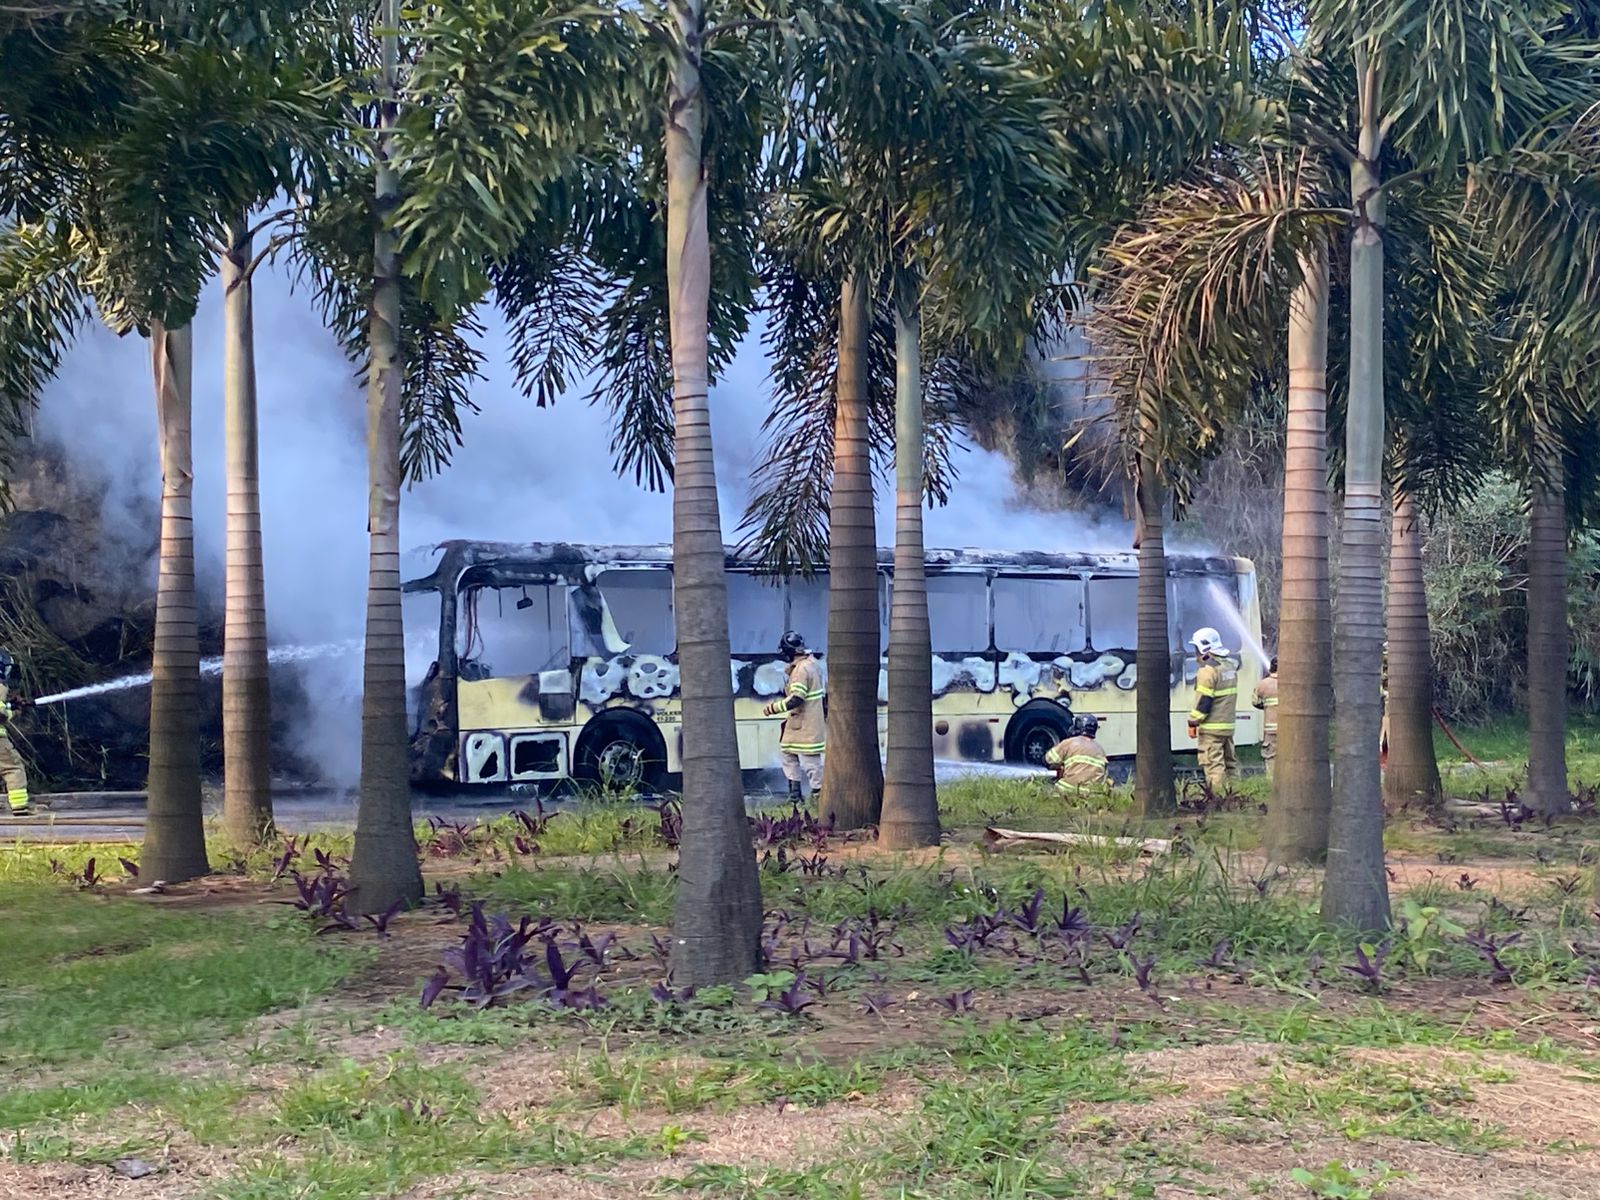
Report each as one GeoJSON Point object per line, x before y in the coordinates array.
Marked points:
{"type": "Point", "coordinates": [1547, 644]}
{"type": "Point", "coordinates": [1153, 788]}
{"type": "Point", "coordinates": [1412, 776]}
{"type": "Point", "coordinates": [853, 773]}
{"type": "Point", "coordinates": [175, 836]}
{"type": "Point", "coordinates": [246, 704]}
{"type": "Point", "coordinates": [1297, 821]}
{"type": "Point", "coordinates": [383, 867]}
{"type": "Point", "coordinates": [910, 803]}
{"type": "Point", "coordinates": [1356, 888]}
{"type": "Point", "coordinates": [716, 929]}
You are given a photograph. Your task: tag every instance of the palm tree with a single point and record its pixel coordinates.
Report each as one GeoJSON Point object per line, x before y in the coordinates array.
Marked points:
{"type": "Point", "coordinates": [717, 918]}
{"type": "Point", "coordinates": [853, 771]}
{"type": "Point", "coordinates": [1549, 643]}
{"type": "Point", "coordinates": [246, 702]}
{"type": "Point", "coordinates": [1412, 774]}
{"type": "Point", "coordinates": [1153, 784]}
{"type": "Point", "coordinates": [1302, 785]}
{"type": "Point", "coordinates": [910, 810]}
{"type": "Point", "coordinates": [383, 865]}
{"type": "Point", "coordinates": [175, 838]}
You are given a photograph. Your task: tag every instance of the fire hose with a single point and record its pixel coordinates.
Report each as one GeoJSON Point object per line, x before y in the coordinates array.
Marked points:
{"type": "Point", "coordinates": [1454, 740]}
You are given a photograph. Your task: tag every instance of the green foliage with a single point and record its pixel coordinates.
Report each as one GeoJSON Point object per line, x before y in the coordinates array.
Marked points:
{"type": "Point", "coordinates": [1475, 567]}
{"type": "Point", "coordinates": [1422, 931]}
{"type": "Point", "coordinates": [1335, 1181]}
{"type": "Point", "coordinates": [120, 969]}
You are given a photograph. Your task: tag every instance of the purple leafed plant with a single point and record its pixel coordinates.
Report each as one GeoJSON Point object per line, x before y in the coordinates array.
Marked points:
{"type": "Point", "coordinates": [534, 823]}
{"type": "Point", "coordinates": [663, 993]}
{"type": "Point", "coordinates": [380, 921]}
{"type": "Point", "coordinates": [1027, 916]}
{"type": "Point", "coordinates": [1489, 946]}
{"type": "Point", "coordinates": [285, 860]}
{"type": "Point", "coordinates": [1119, 937]}
{"type": "Point", "coordinates": [1368, 966]}
{"type": "Point", "coordinates": [660, 950]}
{"type": "Point", "coordinates": [1142, 967]}
{"type": "Point", "coordinates": [876, 1003]}
{"type": "Point", "coordinates": [1073, 923]}
{"type": "Point", "coordinates": [1218, 960]}
{"type": "Point", "coordinates": [793, 1000]}
{"type": "Point", "coordinates": [958, 1002]}
{"type": "Point", "coordinates": [670, 815]}
{"type": "Point", "coordinates": [596, 949]}
{"type": "Point", "coordinates": [447, 898]}
{"type": "Point", "coordinates": [131, 867]}
{"type": "Point", "coordinates": [1466, 883]}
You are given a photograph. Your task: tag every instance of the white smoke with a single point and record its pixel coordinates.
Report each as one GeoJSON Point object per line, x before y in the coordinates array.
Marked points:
{"type": "Point", "coordinates": [522, 474]}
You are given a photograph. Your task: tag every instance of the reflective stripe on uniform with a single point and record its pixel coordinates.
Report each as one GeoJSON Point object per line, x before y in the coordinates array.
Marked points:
{"type": "Point", "coordinates": [18, 798]}
{"type": "Point", "coordinates": [1085, 760]}
{"type": "Point", "coordinates": [802, 747]}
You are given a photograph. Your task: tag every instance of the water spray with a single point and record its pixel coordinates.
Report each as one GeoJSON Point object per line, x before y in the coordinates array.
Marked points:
{"type": "Point", "coordinates": [1236, 620]}
{"type": "Point", "coordinates": [208, 666]}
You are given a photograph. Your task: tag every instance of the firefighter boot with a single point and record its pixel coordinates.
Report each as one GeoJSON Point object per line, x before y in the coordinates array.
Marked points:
{"type": "Point", "coordinates": [796, 796]}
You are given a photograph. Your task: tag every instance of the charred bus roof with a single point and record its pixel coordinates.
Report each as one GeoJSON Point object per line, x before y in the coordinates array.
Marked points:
{"type": "Point", "coordinates": [513, 562]}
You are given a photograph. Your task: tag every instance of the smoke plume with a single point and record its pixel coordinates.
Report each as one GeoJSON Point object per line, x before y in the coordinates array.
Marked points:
{"type": "Point", "coordinates": [522, 474]}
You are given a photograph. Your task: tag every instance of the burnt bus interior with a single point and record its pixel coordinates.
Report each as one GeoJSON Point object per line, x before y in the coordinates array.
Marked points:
{"type": "Point", "coordinates": [590, 630]}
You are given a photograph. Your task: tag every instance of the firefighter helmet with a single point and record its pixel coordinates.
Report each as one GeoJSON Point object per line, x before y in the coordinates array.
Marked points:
{"type": "Point", "coordinates": [1272, 667]}
{"type": "Point", "coordinates": [791, 646]}
{"type": "Point", "coordinates": [1208, 642]}
{"type": "Point", "coordinates": [1087, 725]}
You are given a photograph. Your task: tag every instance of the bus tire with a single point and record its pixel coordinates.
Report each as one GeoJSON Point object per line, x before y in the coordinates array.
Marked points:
{"type": "Point", "coordinates": [621, 750]}
{"type": "Point", "coordinates": [1033, 731]}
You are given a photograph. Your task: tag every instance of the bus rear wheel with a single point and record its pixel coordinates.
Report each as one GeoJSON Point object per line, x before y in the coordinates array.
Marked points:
{"type": "Point", "coordinates": [1033, 736]}
{"type": "Point", "coordinates": [621, 753]}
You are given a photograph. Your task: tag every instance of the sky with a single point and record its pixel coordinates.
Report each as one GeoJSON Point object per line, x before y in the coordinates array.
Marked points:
{"type": "Point", "coordinates": [522, 474]}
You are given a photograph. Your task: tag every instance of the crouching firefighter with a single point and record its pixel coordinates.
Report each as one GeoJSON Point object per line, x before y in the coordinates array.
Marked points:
{"type": "Point", "coordinates": [1211, 720]}
{"type": "Point", "coordinates": [1078, 761]}
{"type": "Point", "coordinates": [12, 773]}
{"type": "Point", "coordinates": [803, 737]}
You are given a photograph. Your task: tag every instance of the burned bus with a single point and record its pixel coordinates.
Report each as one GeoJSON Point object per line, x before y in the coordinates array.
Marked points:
{"type": "Point", "coordinates": [535, 663]}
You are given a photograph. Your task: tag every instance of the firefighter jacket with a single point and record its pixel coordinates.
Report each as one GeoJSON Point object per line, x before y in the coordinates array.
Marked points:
{"type": "Point", "coordinates": [1266, 699]}
{"type": "Point", "coordinates": [1216, 695]}
{"type": "Point", "coordinates": [1078, 761]}
{"type": "Point", "coordinates": [804, 731]}
{"type": "Point", "coordinates": [7, 711]}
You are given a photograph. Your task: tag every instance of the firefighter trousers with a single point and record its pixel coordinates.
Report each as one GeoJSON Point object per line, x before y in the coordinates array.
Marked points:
{"type": "Point", "coordinates": [808, 767]}
{"type": "Point", "coordinates": [1269, 749]}
{"type": "Point", "coordinates": [13, 774]}
{"type": "Point", "coordinates": [1217, 760]}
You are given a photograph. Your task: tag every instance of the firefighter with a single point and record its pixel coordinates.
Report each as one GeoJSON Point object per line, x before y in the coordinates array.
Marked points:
{"type": "Point", "coordinates": [803, 736]}
{"type": "Point", "coordinates": [1216, 695]}
{"type": "Point", "coordinates": [12, 773]}
{"type": "Point", "coordinates": [1266, 699]}
{"type": "Point", "coordinates": [1078, 761]}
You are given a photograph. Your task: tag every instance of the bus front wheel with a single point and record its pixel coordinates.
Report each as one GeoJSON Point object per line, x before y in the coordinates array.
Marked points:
{"type": "Point", "coordinates": [1033, 735]}
{"type": "Point", "coordinates": [621, 753]}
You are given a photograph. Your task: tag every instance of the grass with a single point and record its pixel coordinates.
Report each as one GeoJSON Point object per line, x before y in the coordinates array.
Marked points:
{"type": "Point", "coordinates": [129, 1026]}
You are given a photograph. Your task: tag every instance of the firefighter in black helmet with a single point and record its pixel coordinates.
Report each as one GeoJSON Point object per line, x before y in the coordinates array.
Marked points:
{"type": "Point", "coordinates": [804, 734]}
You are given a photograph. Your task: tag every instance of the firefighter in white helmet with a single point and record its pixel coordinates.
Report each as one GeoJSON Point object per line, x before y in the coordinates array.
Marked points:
{"type": "Point", "coordinates": [1216, 697]}
{"type": "Point", "coordinates": [12, 773]}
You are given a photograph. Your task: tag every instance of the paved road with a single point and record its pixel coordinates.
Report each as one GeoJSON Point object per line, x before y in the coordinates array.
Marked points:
{"type": "Point", "coordinates": [114, 817]}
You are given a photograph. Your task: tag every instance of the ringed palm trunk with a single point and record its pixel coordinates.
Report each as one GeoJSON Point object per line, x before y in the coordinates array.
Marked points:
{"type": "Point", "coordinates": [383, 866]}
{"type": "Point", "coordinates": [716, 930]}
{"type": "Point", "coordinates": [175, 838]}
{"type": "Point", "coordinates": [910, 803]}
{"type": "Point", "coordinates": [246, 704]}
{"type": "Point", "coordinates": [1302, 785]}
{"type": "Point", "coordinates": [1547, 646]}
{"type": "Point", "coordinates": [1356, 888]}
{"type": "Point", "coordinates": [1153, 788]}
{"type": "Point", "coordinates": [1412, 776]}
{"type": "Point", "coordinates": [852, 784]}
